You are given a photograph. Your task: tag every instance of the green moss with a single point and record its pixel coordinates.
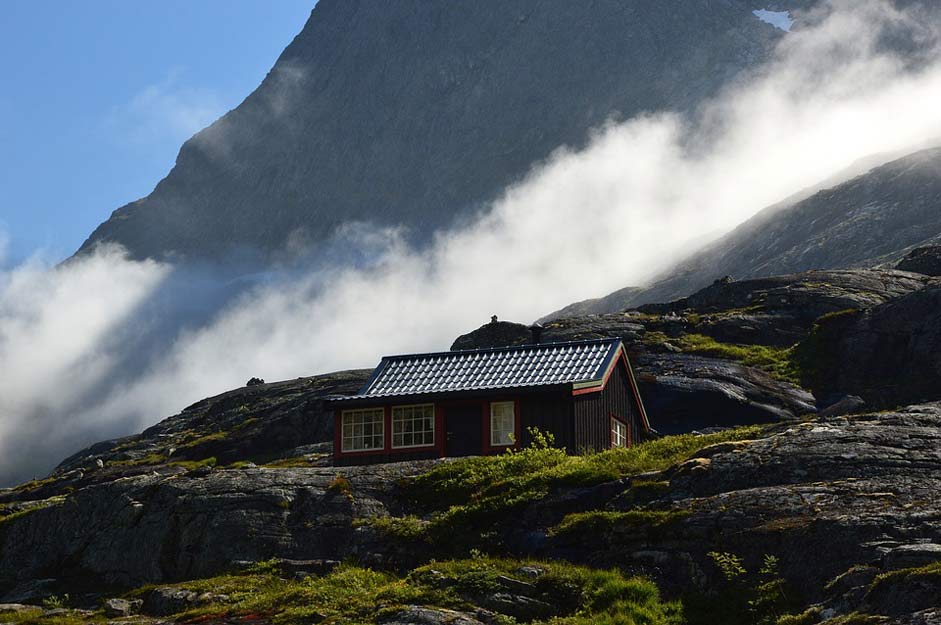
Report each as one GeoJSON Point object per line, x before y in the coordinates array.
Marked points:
{"type": "Point", "coordinates": [857, 619]}
{"type": "Point", "coordinates": [598, 523]}
{"type": "Point", "coordinates": [809, 617]}
{"type": "Point", "coordinates": [246, 423]}
{"type": "Point", "coordinates": [208, 438]}
{"type": "Point", "coordinates": [846, 313]}
{"type": "Point", "coordinates": [295, 462]}
{"type": "Point", "coordinates": [930, 572]}
{"type": "Point", "coordinates": [408, 528]}
{"type": "Point", "coordinates": [149, 459]}
{"type": "Point", "coordinates": [39, 505]}
{"type": "Point", "coordinates": [191, 465]}
{"type": "Point", "coordinates": [777, 361]}
{"type": "Point", "coordinates": [34, 615]}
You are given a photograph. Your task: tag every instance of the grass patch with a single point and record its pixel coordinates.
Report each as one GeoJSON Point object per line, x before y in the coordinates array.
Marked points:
{"type": "Point", "coordinates": [208, 438]}
{"type": "Point", "coordinates": [466, 495]}
{"type": "Point", "coordinates": [857, 618]}
{"type": "Point", "coordinates": [808, 617]}
{"type": "Point", "coordinates": [598, 523]}
{"type": "Point", "coordinates": [407, 528]}
{"type": "Point", "coordinates": [192, 465]}
{"type": "Point", "coordinates": [295, 462]}
{"type": "Point", "coordinates": [353, 594]}
{"type": "Point", "coordinates": [779, 362]}
{"type": "Point", "coordinates": [32, 617]}
{"type": "Point", "coordinates": [782, 363]}
{"type": "Point", "coordinates": [58, 500]}
{"type": "Point", "coordinates": [929, 572]}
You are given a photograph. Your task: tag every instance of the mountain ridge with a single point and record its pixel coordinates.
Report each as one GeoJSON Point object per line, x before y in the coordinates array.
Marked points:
{"type": "Point", "coordinates": [348, 127]}
{"type": "Point", "coordinates": [871, 220]}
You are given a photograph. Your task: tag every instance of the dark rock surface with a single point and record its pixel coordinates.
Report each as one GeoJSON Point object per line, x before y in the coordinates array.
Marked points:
{"type": "Point", "coordinates": [871, 220]}
{"type": "Point", "coordinates": [923, 260]}
{"type": "Point", "coordinates": [253, 424]}
{"type": "Point", "coordinates": [889, 355]}
{"type": "Point", "coordinates": [196, 524]}
{"type": "Point", "coordinates": [683, 393]}
{"type": "Point", "coordinates": [414, 114]}
{"type": "Point", "coordinates": [823, 496]}
{"type": "Point", "coordinates": [494, 334]}
{"type": "Point", "coordinates": [418, 615]}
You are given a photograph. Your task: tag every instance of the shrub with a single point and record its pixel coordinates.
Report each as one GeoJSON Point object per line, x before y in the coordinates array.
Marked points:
{"type": "Point", "coordinates": [339, 485]}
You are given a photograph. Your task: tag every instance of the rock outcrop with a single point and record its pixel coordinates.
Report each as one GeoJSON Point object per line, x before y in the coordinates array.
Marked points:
{"type": "Point", "coordinates": [165, 528]}
{"type": "Point", "coordinates": [923, 260]}
{"type": "Point", "coordinates": [889, 355]}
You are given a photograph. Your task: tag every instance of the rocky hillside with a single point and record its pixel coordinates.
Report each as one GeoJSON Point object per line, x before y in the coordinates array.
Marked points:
{"type": "Point", "coordinates": [872, 220]}
{"type": "Point", "coordinates": [861, 490]}
{"type": "Point", "coordinates": [230, 511]}
{"type": "Point", "coordinates": [415, 113]}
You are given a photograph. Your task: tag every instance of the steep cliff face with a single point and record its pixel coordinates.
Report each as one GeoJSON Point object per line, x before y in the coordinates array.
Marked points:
{"type": "Point", "coordinates": [416, 113]}
{"type": "Point", "coordinates": [871, 220]}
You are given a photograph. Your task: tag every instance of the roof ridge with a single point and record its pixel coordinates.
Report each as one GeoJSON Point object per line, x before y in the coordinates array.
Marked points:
{"type": "Point", "coordinates": [505, 348]}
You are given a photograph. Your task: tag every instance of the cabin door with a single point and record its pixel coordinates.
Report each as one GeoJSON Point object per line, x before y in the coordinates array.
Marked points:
{"type": "Point", "coordinates": [463, 426]}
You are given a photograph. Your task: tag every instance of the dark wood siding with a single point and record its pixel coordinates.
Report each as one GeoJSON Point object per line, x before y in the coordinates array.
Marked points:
{"type": "Point", "coordinates": [550, 412]}
{"type": "Point", "coordinates": [593, 412]}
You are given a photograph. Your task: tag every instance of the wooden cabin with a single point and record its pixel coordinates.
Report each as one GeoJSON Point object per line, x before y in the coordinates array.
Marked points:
{"type": "Point", "coordinates": [475, 402]}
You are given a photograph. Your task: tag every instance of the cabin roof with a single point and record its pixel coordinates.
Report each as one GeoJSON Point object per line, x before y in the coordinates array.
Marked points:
{"type": "Point", "coordinates": [544, 364]}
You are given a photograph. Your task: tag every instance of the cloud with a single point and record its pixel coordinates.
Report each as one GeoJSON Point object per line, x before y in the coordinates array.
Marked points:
{"type": "Point", "coordinates": [61, 332]}
{"type": "Point", "coordinates": [167, 111]}
{"type": "Point", "coordinates": [105, 345]}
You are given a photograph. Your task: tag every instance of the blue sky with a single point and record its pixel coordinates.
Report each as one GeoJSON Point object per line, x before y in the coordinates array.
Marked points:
{"type": "Point", "coordinates": [98, 95]}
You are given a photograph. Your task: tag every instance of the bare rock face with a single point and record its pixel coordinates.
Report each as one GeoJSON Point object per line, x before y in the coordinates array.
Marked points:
{"type": "Point", "coordinates": [195, 524]}
{"type": "Point", "coordinates": [923, 260]}
{"type": "Point", "coordinates": [416, 113]}
{"type": "Point", "coordinates": [888, 355]}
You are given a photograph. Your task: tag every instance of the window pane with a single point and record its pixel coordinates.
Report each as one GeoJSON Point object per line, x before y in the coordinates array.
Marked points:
{"type": "Point", "coordinates": [415, 424]}
{"type": "Point", "coordinates": [363, 429]}
{"type": "Point", "coordinates": [502, 423]}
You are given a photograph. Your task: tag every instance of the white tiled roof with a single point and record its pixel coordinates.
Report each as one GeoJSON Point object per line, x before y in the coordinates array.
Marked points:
{"type": "Point", "coordinates": [528, 365]}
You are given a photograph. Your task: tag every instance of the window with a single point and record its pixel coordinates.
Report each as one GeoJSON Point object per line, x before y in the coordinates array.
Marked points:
{"type": "Point", "coordinates": [618, 433]}
{"type": "Point", "coordinates": [363, 429]}
{"type": "Point", "coordinates": [413, 426]}
{"type": "Point", "coordinates": [502, 423]}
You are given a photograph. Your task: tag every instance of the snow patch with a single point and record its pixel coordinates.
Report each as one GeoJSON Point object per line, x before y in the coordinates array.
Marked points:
{"type": "Point", "coordinates": [778, 19]}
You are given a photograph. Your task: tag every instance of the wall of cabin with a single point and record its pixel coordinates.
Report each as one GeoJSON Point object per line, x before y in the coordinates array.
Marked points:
{"type": "Point", "coordinates": [593, 413]}
{"type": "Point", "coordinates": [549, 412]}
